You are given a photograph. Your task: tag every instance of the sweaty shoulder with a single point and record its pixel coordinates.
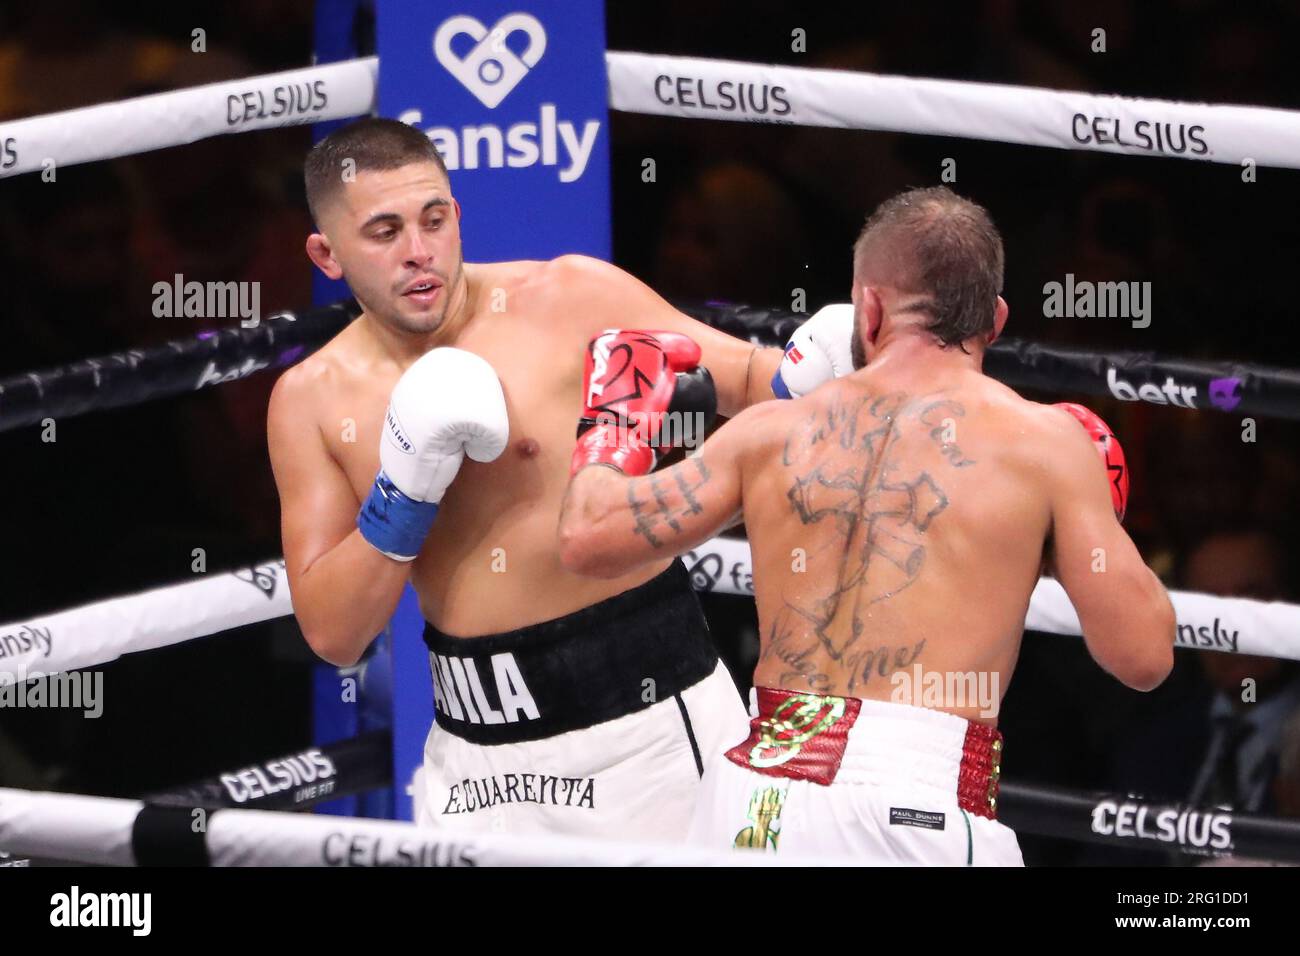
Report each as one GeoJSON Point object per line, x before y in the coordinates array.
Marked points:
{"type": "Point", "coordinates": [762, 427]}
{"type": "Point", "coordinates": [590, 291]}
{"type": "Point", "coordinates": [550, 287]}
{"type": "Point", "coordinates": [541, 276]}
{"type": "Point", "coordinates": [301, 389]}
{"type": "Point", "coordinates": [1040, 435]}
{"type": "Point", "coordinates": [585, 270]}
{"type": "Point", "coordinates": [295, 389]}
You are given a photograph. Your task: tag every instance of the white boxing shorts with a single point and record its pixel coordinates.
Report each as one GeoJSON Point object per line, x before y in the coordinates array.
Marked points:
{"type": "Point", "coordinates": [597, 724]}
{"type": "Point", "coordinates": [831, 777]}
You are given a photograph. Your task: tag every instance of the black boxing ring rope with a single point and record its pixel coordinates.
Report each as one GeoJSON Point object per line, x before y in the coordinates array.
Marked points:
{"type": "Point", "coordinates": [132, 376]}
{"type": "Point", "coordinates": [214, 357]}
{"type": "Point", "coordinates": [296, 781]}
{"type": "Point", "coordinates": [1241, 388]}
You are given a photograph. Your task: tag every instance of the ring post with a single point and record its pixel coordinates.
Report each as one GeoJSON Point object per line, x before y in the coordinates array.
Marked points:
{"type": "Point", "coordinates": [514, 95]}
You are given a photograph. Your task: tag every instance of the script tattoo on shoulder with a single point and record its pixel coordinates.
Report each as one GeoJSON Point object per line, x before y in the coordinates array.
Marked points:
{"type": "Point", "coordinates": [942, 418]}
{"type": "Point", "coordinates": [660, 501]}
{"type": "Point", "coordinates": [847, 472]}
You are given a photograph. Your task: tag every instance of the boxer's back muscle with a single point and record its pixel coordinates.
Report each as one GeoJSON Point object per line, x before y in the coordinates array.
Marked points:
{"type": "Point", "coordinates": [898, 526]}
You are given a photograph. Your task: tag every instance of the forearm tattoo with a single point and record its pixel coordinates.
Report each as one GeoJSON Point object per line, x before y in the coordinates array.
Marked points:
{"type": "Point", "coordinates": [660, 501]}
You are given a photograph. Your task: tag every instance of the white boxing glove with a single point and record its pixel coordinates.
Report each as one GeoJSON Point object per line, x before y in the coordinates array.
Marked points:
{"type": "Point", "coordinates": [447, 405]}
{"type": "Point", "coordinates": [819, 350]}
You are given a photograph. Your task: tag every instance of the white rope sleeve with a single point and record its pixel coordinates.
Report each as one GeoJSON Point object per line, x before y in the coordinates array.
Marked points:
{"type": "Point", "coordinates": [67, 827]}
{"type": "Point", "coordinates": [1205, 622]}
{"type": "Point", "coordinates": [126, 127]}
{"type": "Point", "coordinates": [701, 89]}
{"type": "Point", "coordinates": [101, 632]}
{"type": "Point", "coordinates": [97, 830]}
{"type": "Point", "coordinates": [1032, 116]}
{"type": "Point", "coordinates": [98, 633]}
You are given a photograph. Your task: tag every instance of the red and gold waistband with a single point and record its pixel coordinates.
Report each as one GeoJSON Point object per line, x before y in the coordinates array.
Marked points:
{"type": "Point", "coordinates": [804, 736]}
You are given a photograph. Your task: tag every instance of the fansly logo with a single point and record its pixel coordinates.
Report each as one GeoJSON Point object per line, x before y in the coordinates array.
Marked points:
{"type": "Point", "coordinates": [490, 70]}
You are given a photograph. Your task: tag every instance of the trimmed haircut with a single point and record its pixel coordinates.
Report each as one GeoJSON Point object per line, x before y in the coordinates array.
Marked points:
{"type": "Point", "coordinates": [371, 143]}
{"type": "Point", "coordinates": [934, 244]}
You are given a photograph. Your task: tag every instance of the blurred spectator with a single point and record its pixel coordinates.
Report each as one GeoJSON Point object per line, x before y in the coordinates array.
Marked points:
{"type": "Point", "coordinates": [1199, 471]}
{"type": "Point", "coordinates": [69, 242]}
{"type": "Point", "coordinates": [1200, 738]}
{"type": "Point", "coordinates": [1219, 746]}
{"type": "Point", "coordinates": [734, 233]}
{"type": "Point", "coordinates": [70, 53]}
{"type": "Point", "coordinates": [1286, 785]}
{"type": "Point", "coordinates": [1253, 696]}
{"type": "Point", "coordinates": [209, 212]}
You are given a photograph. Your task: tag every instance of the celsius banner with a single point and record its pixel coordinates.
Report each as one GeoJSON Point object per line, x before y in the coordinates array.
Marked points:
{"type": "Point", "coordinates": [515, 97]}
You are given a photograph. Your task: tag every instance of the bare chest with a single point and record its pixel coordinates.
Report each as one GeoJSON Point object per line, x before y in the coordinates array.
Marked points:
{"type": "Point", "coordinates": [541, 377]}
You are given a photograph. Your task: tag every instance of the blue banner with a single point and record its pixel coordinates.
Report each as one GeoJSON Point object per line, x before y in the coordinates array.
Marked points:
{"type": "Point", "coordinates": [514, 95]}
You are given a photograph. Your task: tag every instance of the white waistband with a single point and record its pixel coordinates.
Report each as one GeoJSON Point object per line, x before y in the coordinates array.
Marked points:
{"type": "Point", "coordinates": [901, 743]}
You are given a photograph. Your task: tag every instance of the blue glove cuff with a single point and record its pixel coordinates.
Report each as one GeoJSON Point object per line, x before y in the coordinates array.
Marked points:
{"type": "Point", "coordinates": [779, 388]}
{"type": "Point", "coordinates": [393, 522]}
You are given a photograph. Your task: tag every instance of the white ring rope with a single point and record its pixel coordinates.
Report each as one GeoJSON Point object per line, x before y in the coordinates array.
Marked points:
{"type": "Point", "coordinates": [144, 123]}
{"type": "Point", "coordinates": [97, 830]}
{"type": "Point", "coordinates": [97, 633]}
{"type": "Point", "coordinates": [1205, 621]}
{"type": "Point", "coordinates": [645, 83]}
{"type": "Point", "coordinates": [1028, 115]}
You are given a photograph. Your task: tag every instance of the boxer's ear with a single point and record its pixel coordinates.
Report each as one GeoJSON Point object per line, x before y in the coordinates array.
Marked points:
{"type": "Point", "coordinates": [1000, 312]}
{"type": "Point", "coordinates": [873, 313]}
{"type": "Point", "coordinates": [321, 253]}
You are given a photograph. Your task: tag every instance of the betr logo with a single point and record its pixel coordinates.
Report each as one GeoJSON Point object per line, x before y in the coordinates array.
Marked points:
{"type": "Point", "coordinates": [1225, 393]}
{"type": "Point", "coordinates": [1171, 393]}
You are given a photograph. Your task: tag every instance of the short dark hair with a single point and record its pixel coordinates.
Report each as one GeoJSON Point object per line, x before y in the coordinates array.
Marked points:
{"type": "Point", "coordinates": [936, 244]}
{"type": "Point", "coordinates": [371, 143]}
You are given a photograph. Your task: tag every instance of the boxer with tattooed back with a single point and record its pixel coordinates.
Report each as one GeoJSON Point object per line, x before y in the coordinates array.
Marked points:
{"type": "Point", "coordinates": [428, 443]}
{"type": "Point", "coordinates": [899, 515]}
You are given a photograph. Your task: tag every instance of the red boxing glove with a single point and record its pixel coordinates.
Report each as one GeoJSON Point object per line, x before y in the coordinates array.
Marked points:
{"type": "Point", "coordinates": [631, 380]}
{"type": "Point", "coordinates": [1112, 455]}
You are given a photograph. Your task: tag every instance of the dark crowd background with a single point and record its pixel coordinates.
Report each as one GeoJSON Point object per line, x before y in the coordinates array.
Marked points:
{"type": "Point", "coordinates": [740, 212]}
